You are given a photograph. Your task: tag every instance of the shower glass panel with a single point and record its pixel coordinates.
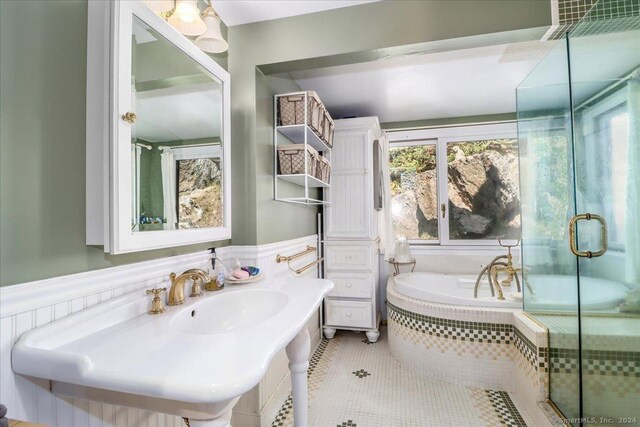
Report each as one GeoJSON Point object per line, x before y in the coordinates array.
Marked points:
{"type": "Point", "coordinates": [604, 57]}
{"type": "Point", "coordinates": [579, 130]}
{"type": "Point", "coordinates": [548, 202]}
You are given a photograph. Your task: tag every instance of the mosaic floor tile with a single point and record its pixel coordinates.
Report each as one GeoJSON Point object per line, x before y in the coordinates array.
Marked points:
{"type": "Point", "coordinates": [361, 373]}
{"type": "Point", "coordinates": [505, 409]}
{"type": "Point", "coordinates": [393, 396]}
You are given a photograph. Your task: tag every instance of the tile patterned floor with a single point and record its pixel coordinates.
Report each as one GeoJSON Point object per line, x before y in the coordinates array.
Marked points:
{"type": "Point", "coordinates": [353, 383]}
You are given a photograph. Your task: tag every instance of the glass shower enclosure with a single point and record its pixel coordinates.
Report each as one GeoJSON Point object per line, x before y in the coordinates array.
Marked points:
{"type": "Point", "coordinates": [579, 133]}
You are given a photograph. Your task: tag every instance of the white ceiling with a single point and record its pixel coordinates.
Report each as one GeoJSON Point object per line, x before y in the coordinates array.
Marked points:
{"type": "Point", "coordinates": [237, 12]}
{"type": "Point", "coordinates": [178, 113]}
{"type": "Point", "coordinates": [459, 83]}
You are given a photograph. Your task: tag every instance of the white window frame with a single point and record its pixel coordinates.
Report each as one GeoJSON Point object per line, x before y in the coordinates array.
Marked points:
{"type": "Point", "coordinates": [441, 137]}
{"type": "Point", "coordinates": [204, 151]}
{"type": "Point", "coordinates": [591, 117]}
{"type": "Point", "coordinates": [418, 143]}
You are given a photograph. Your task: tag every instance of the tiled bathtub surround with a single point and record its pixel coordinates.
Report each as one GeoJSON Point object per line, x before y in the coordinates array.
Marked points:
{"type": "Point", "coordinates": [23, 307]}
{"type": "Point", "coordinates": [488, 348]}
{"type": "Point", "coordinates": [610, 364]}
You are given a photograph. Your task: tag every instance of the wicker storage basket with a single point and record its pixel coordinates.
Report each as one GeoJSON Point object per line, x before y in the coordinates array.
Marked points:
{"type": "Point", "coordinates": [291, 111]}
{"type": "Point", "coordinates": [327, 129]}
{"type": "Point", "coordinates": [291, 159]}
{"type": "Point", "coordinates": [323, 171]}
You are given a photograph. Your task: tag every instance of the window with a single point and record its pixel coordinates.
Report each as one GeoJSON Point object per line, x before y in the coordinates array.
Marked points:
{"type": "Point", "coordinates": [414, 203]}
{"type": "Point", "coordinates": [199, 186]}
{"type": "Point", "coordinates": [455, 185]}
{"type": "Point", "coordinates": [603, 176]}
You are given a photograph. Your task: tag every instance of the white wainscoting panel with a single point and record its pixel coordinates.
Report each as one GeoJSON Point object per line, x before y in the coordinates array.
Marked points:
{"type": "Point", "coordinates": [28, 305]}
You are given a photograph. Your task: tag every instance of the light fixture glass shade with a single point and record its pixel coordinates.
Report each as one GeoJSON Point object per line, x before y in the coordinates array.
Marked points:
{"type": "Point", "coordinates": [403, 251]}
{"type": "Point", "coordinates": [186, 18]}
{"type": "Point", "coordinates": [212, 40]}
{"type": "Point", "coordinates": [160, 6]}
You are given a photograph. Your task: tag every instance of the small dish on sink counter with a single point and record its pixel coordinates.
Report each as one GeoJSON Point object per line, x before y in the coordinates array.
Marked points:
{"type": "Point", "coordinates": [251, 279]}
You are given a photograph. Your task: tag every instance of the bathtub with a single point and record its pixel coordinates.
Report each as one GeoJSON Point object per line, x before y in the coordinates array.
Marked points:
{"type": "Point", "coordinates": [453, 289]}
{"type": "Point", "coordinates": [552, 292]}
{"type": "Point", "coordinates": [439, 330]}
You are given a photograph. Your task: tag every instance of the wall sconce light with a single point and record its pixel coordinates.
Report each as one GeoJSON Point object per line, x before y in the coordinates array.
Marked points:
{"type": "Point", "coordinates": [211, 40]}
{"type": "Point", "coordinates": [186, 18]}
{"type": "Point", "coordinates": [160, 6]}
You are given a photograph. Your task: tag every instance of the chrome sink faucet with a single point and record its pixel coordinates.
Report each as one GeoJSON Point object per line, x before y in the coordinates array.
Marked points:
{"type": "Point", "coordinates": [176, 292]}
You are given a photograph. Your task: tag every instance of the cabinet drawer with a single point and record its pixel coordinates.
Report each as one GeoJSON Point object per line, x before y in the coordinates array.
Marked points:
{"type": "Point", "coordinates": [352, 285]}
{"type": "Point", "coordinates": [349, 257]}
{"type": "Point", "coordinates": [351, 314]}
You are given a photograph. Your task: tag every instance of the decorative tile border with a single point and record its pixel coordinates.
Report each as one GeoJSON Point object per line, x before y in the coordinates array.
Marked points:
{"type": "Point", "coordinates": [496, 408]}
{"type": "Point", "coordinates": [504, 407]}
{"type": "Point", "coordinates": [492, 333]}
{"type": "Point", "coordinates": [536, 356]}
{"type": "Point", "coordinates": [595, 362]}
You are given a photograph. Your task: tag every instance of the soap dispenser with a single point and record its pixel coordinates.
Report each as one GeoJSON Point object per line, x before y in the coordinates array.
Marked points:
{"type": "Point", "coordinates": [217, 273]}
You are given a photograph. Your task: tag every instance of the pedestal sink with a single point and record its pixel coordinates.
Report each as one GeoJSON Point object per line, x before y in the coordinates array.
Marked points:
{"type": "Point", "coordinates": [195, 360]}
{"type": "Point", "coordinates": [229, 312]}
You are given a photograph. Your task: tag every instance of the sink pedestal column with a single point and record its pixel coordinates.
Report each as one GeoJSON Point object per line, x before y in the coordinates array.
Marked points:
{"type": "Point", "coordinates": [222, 415]}
{"type": "Point", "coordinates": [222, 421]}
{"type": "Point", "coordinates": [298, 352]}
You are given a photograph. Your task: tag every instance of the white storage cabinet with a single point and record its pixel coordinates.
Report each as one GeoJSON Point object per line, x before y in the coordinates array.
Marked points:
{"type": "Point", "coordinates": [351, 231]}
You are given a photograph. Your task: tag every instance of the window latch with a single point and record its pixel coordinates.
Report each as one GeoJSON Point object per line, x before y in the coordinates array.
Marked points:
{"type": "Point", "coordinates": [443, 208]}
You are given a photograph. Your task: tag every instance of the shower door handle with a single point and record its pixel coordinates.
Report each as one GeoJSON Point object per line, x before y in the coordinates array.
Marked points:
{"type": "Point", "coordinates": [573, 244]}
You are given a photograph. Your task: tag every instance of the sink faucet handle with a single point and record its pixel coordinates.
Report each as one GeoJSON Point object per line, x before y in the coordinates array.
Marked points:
{"type": "Point", "coordinates": [156, 303]}
{"type": "Point", "coordinates": [196, 287]}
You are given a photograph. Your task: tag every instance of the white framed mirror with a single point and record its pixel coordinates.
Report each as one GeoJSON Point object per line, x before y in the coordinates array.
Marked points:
{"type": "Point", "coordinates": [158, 154]}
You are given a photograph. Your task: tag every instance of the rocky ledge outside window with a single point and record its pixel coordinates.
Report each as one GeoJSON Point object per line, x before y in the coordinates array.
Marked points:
{"type": "Point", "coordinates": [480, 191]}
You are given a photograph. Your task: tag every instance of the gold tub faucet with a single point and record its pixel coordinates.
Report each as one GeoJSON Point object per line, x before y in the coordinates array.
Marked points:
{"type": "Point", "coordinates": [176, 292]}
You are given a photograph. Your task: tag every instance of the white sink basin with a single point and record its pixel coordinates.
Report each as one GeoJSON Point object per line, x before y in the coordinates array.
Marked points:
{"type": "Point", "coordinates": [229, 312]}
{"type": "Point", "coordinates": [195, 360]}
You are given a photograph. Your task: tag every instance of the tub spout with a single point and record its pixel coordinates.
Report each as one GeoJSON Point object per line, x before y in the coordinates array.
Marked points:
{"type": "Point", "coordinates": [486, 270]}
{"type": "Point", "coordinates": [492, 270]}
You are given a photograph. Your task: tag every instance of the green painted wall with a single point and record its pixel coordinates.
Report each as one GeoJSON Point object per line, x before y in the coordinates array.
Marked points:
{"type": "Point", "coordinates": [339, 35]}
{"type": "Point", "coordinates": [42, 125]}
{"type": "Point", "coordinates": [42, 144]}
{"type": "Point", "coordinates": [284, 221]}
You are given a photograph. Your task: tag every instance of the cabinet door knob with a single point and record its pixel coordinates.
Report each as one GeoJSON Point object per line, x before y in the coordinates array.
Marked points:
{"type": "Point", "coordinates": [129, 117]}
{"type": "Point", "coordinates": [348, 314]}
{"type": "Point", "coordinates": [348, 285]}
